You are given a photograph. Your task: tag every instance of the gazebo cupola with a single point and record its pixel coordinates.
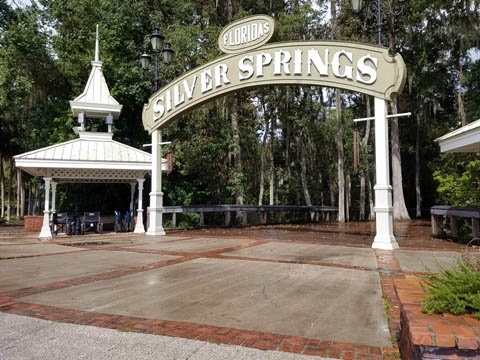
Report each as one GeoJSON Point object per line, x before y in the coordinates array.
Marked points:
{"type": "Point", "coordinates": [95, 101]}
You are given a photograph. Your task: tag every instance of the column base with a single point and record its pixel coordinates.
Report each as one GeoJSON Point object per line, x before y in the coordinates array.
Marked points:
{"type": "Point", "coordinates": [156, 221]}
{"type": "Point", "coordinates": [385, 242]}
{"type": "Point", "coordinates": [384, 238]}
{"type": "Point", "coordinates": [45, 232]}
{"type": "Point", "coordinates": [157, 232]}
{"type": "Point", "coordinates": [155, 213]}
{"type": "Point", "coordinates": [139, 228]}
{"type": "Point", "coordinates": [155, 226]}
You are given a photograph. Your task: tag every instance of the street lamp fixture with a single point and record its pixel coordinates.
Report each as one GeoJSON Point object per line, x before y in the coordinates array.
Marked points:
{"type": "Point", "coordinates": [357, 6]}
{"type": "Point", "coordinates": [168, 53]}
{"type": "Point", "coordinates": [157, 39]}
{"type": "Point", "coordinates": [145, 60]}
{"type": "Point", "coordinates": [375, 9]}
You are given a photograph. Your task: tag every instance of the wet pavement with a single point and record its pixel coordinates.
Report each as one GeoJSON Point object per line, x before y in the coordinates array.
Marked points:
{"type": "Point", "coordinates": [426, 261]}
{"type": "Point", "coordinates": [39, 270]}
{"type": "Point", "coordinates": [409, 234]}
{"type": "Point", "coordinates": [312, 289]}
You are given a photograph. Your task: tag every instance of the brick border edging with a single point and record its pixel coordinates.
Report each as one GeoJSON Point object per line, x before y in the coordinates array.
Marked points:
{"type": "Point", "coordinates": [213, 334]}
{"type": "Point", "coordinates": [387, 262]}
{"type": "Point", "coordinates": [424, 336]}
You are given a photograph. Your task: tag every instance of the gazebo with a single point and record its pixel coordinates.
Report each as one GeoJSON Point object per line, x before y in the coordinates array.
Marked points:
{"type": "Point", "coordinates": [94, 157]}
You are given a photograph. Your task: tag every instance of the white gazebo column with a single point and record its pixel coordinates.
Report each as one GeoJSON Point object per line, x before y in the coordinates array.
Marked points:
{"type": "Point", "coordinates": [139, 228]}
{"type": "Point", "coordinates": [54, 193]}
{"type": "Point", "coordinates": [156, 196]}
{"type": "Point", "coordinates": [384, 238]}
{"type": "Point", "coordinates": [46, 233]}
{"type": "Point", "coordinates": [132, 193]}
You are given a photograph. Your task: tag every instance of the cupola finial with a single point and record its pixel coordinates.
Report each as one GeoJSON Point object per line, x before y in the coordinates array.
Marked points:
{"type": "Point", "coordinates": [97, 50]}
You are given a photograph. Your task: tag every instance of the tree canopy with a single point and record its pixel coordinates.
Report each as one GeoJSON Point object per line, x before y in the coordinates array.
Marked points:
{"type": "Point", "coordinates": [288, 134]}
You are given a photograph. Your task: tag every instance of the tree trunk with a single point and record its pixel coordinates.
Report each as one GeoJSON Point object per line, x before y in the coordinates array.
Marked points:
{"type": "Point", "coordinates": [303, 173]}
{"type": "Point", "coordinates": [332, 194]}
{"type": "Point", "coordinates": [362, 213]}
{"type": "Point", "coordinates": [237, 159]}
{"type": "Point", "coordinates": [399, 209]}
{"type": "Point", "coordinates": [418, 194]}
{"type": "Point", "coordinates": [340, 158]}
{"type": "Point", "coordinates": [9, 206]}
{"type": "Point", "coordinates": [340, 151]}
{"type": "Point", "coordinates": [272, 161]}
{"type": "Point", "coordinates": [364, 144]}
{"type": "Point", "coordinates": [263, 160]}
{"type": "Point", "coordinates": [287, 154]}
{"type": "Point", "coordinates": [371, 195]}
{"type": "Point", "coordinates": [461, 107]}
{"type": "Point", "coordinates": [2, 187]}
{"type": "Point", "coordinates": [237, 151]}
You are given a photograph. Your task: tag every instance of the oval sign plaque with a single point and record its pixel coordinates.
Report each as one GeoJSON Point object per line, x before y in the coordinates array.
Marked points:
{"type": "Point", "coordinates": [246, 34]}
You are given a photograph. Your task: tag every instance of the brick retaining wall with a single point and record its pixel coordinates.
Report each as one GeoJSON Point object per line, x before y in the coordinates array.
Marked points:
{"type": "Point", "coordinates": [433, 336]}
{"type": "Point", "coordinates": [33, 223]}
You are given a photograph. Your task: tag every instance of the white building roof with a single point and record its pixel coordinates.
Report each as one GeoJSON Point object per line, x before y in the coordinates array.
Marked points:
{"type": "Point", "coordinates": [93, 157]}
{"type": "Point", "coordinates": [465, 139]}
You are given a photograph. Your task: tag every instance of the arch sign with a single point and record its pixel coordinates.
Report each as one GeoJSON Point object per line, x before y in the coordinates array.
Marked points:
{"type": "Point", "coordinates": [251, 61]}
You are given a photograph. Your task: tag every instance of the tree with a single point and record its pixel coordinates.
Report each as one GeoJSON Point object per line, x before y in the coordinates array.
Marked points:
{"type": "Point", "coordinates": [340, 150]}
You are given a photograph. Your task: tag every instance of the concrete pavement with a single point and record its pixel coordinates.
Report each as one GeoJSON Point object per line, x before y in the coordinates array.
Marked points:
{"type": "Point", "coordinates": [28, 338]}
{"type": "Point", "coordinates": [291, 290]}
{"type": "Point", "coordinates": [311, 301]}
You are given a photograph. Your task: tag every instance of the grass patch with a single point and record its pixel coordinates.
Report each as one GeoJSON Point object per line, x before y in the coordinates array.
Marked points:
{"type": "Point", "coordinates": [386, 306]}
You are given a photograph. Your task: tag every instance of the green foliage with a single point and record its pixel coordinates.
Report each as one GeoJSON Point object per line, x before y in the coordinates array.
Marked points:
{"type": "Point", "coordinates": [188, 220]}
{"type": "Point", "coordinates": [455, 290]}
{"type": "Point", "coordinates": [459, 185]}
{"type": "Point", "coordinates": [45, 55]}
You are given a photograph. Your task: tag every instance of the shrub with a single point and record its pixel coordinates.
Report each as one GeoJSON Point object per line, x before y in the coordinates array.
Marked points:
{"type": "Point", "coordinates": [455, 290]}
{"type": "Point", "coordinates": [459, 185]}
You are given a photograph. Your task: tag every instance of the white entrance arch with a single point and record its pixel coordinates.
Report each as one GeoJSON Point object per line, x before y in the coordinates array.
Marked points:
{"type": "Point", "coordinates": [352, 66]}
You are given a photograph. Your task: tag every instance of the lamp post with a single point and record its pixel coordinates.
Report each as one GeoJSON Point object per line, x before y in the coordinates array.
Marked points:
{"type": "Point", "coordinates": [375, 8]}
{"type": "Point", "coordinates": [155, 226]}
{"type": "Point", "coordinates": [157, 39]}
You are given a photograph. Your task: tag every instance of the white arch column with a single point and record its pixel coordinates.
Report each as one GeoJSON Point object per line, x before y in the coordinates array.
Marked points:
{"type": "Point", "coordinates": [46, 233]}
{"type": "Point", "coordinates": [384, 238]}
{"type": "Point", "coordinates": [139, 228]}
{"type": "Point", "coordinates": [155, 209]}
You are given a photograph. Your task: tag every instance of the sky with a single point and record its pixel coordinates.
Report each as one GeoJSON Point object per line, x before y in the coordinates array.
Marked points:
{"type": "Point", "coordinates": [19, 3]}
